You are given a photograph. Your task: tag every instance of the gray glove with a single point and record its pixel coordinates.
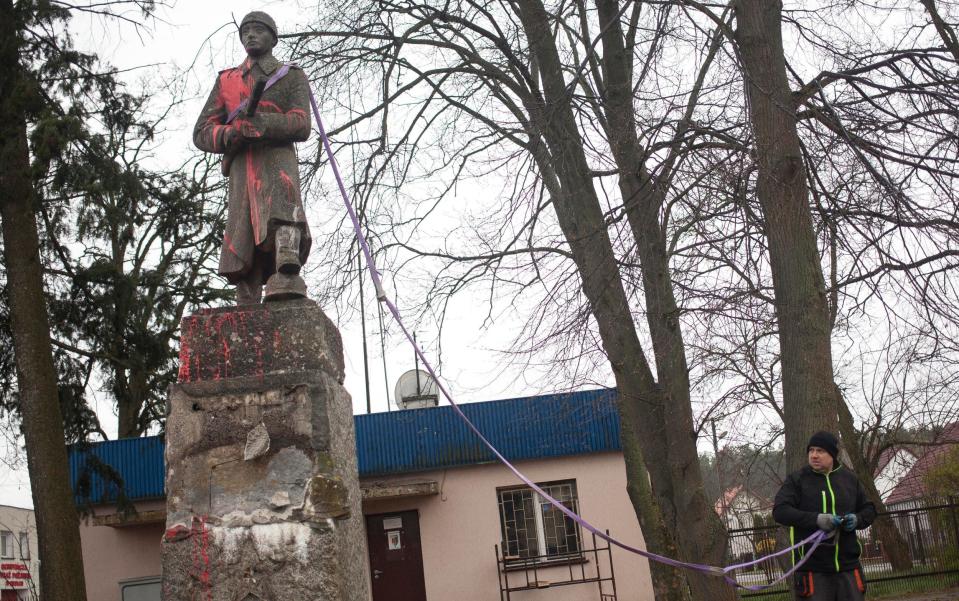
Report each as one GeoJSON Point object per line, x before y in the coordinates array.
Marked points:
{"type": "Point", "coordinates": [826, 522]}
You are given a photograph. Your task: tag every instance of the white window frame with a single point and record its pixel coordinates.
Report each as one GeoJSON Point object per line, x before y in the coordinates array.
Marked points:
{"type": "Point", "coordinates": [24, 545]}
{"type": "Point", "coordinates": [137, 582]}
{"type": "Point", "coordinates": [542, 554]}
{"type": "Point", "coordinates": [6, 545]}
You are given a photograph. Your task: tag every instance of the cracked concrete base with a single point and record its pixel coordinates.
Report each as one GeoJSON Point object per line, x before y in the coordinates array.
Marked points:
{"type": "Point", "coordinates": [280, 561]}
{"type": "Point", "coordinates": [263, 500]}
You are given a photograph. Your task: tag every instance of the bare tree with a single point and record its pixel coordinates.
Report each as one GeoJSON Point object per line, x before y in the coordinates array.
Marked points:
{"type": "Point", "coordinates": [881, 192]}
{"type": "Point", "coordinates": [809, 392]}
{"type": "Point", "coordinates": [440, 108]}
{"type": "Point", "coordinates": [946, 31]}
{"type": "Point", "coordinates": [509, 74]}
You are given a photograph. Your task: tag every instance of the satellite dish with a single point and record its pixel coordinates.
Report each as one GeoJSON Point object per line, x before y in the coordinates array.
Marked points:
{"type": "Point", "coordinates": [416, 389]}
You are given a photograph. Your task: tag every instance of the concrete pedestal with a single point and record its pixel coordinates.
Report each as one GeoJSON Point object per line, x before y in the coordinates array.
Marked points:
{"type": "Point", "coordinates": [263, 500]}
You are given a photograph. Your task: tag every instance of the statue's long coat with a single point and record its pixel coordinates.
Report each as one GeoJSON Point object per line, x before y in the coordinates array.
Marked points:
{"type": "Point", "coordinates": [264, 176]}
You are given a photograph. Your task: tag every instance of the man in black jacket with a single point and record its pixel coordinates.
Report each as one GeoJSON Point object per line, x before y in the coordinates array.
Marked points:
{"type": "Point", "coordinates": [826, 496]}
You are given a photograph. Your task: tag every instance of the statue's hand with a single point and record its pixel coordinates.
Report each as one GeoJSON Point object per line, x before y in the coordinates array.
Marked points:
{"type": "Point", "coordinates": [248, 128]}
{"type": "Point", "coordinates": [232, 139]}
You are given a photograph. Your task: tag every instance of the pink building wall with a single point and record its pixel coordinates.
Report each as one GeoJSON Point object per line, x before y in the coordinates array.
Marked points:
{"type": "Point", "coordinates": [460, 526]}
{"type": "Point", "coordinates": [458, 530]}
{"type": "Point", "coordinates": [114, 554]}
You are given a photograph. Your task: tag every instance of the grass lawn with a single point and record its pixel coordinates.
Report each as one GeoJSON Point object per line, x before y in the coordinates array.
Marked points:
{"type": "Point", "coordinates": [896, 589]}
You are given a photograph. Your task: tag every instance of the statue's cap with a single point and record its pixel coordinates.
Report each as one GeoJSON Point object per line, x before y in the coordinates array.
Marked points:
{"type": "Point", "coordinates": [258, 16]}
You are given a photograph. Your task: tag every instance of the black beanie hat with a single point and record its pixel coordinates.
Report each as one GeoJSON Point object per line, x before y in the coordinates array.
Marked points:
{"type": "Point", "coordinates": [824, 440]}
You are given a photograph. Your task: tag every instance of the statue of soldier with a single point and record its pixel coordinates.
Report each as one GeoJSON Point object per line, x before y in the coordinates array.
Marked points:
{"type": "Point", "coordinates": [266, 238]}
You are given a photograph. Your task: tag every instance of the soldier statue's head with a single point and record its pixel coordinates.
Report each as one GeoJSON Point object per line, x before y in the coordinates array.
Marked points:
{"type": "Point", "coordinates": [258, 33]}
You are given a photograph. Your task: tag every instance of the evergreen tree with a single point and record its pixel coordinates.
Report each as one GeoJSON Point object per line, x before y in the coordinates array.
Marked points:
{"type": "Point", "coordinates": [108, 252]}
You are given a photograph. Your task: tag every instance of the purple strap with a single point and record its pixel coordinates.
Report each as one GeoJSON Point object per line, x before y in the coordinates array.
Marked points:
{"type": "Point", "coordinates": [815, 538]}
{"type": "Point", "coordinates": [283, 70]}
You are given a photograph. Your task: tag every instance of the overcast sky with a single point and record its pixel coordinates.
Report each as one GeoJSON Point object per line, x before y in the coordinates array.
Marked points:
{"type": "Point", "coordinates": [201, 35]}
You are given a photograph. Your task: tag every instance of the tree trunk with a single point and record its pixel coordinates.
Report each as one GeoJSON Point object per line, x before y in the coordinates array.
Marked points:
{"type": "Point", "coordinates": [130, 393]}
{"type": "Point", "coordinates": [58, 534]}
{"type": "Point", "coordinates": [669, 584]}
{"type": "Point", "coordinates": [57, 524]}
{"type": "Point", "coordinates": [666, 443]}
{"type": "Point", "coordinates": [127, 420]}
{"type": "Point", "coordinates": [895, 546]}
{"type": "Point", "coordinates": [809, 397]}
{"type": "Point", "coordinates": [643, 201]}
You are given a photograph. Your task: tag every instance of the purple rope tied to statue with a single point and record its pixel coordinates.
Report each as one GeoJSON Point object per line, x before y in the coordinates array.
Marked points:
{"type": "Point", "coordinates": [725, 572]}
{"type": "Point", "coordinates": [277, 76]}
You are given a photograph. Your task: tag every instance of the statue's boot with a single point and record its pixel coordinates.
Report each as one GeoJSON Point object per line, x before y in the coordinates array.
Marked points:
{"type": "Point", "coordinates": [288, 249]}
{"type": "Point", "coordinates": [286, 283]}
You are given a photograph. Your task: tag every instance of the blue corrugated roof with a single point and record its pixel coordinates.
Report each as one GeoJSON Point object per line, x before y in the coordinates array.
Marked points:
{"type": "Point", "coordinates": [553, 425]}
{"type": "Point", "coordinates": [137, 461]}
{"type": "Point", "coordinates": [526, 428]}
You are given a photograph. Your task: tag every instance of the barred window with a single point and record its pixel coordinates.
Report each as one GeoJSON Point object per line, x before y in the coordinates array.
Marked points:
{"type": "Point", "coordinates": [533, 529]}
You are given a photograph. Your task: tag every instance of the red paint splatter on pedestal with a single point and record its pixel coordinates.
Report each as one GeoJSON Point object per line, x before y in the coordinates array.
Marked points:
{"type": "Point", "coordinates": [201, 558]}
{"type": "Point", "coordinates": [214, 346]}
{"type": "Point", "coordinates": [226, 358]}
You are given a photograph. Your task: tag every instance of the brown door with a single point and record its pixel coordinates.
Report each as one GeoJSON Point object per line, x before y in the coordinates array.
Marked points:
{"type": "Point", "coordinates": [396, 558]}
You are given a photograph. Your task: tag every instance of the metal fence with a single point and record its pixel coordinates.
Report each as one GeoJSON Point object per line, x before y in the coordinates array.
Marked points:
{"type": "Point", "coordinates": [931, 533]}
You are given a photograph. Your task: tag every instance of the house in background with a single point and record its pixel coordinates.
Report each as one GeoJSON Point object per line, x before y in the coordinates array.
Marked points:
{"type": "Point", "coordinates": [19, 567]}
{"type": "Point", "coordinates": [121, 552]}
{"type": "Point", "coordinates": [445, 521]}
{"type": "Point", "coordinates": [922, 529]}
{"type": "Point", "coordinates": [911, 491]}
{"type": "Point", "coordinates": [893, 465]}
{"type": "Point", "coordinates": [739, 508]}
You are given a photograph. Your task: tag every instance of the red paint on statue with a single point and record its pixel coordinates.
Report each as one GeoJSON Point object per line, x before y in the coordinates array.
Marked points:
{"type": "Point", "coordinates": [228, 243]}
{"type": "Point", "coordinates": [196, 546]}
{"type": "Point", "coordinates": [258, 200]}
{"type": "Point", "coordinates": [296, 119]}
{"type": "Point", "coordinates": [183, 375]}
{"type": "Point", "coordinates": [253, 185]}
{"type": "Point", "coordinates": [186, 340]}
{"type": "Point", "coordinates": [269, 107]}
{"type": "Point", "coordinates": [287, 181]}
{"type": "Point", "coordinates": [259, 362]}
{"type": "Point", "coordinates": [233, 89]}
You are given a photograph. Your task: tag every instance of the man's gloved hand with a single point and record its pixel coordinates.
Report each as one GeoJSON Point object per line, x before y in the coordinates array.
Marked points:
{"type": "Point", "coordinates": [827, 522]}
{"type": "Point", "coordinates": [849, 522]}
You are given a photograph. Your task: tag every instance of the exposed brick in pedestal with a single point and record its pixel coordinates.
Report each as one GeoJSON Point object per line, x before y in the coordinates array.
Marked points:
{"type": "Point", "coordinates": [263, 500]}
